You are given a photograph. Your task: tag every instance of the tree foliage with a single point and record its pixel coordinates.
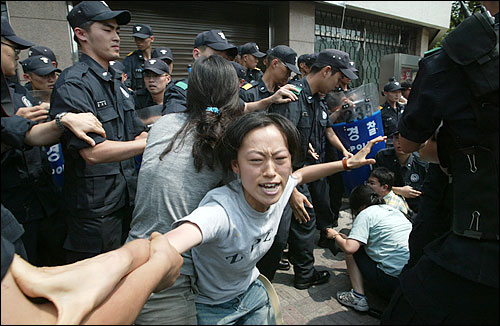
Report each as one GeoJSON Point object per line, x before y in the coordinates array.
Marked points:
{"type": "Point", "coordinates": [458, 15]}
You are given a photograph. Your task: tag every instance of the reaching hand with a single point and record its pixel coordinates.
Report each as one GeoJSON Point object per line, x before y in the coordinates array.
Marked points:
{"type": "Point", "coordinates": [81, 124]}
{"type": "Point", "coordinates": [312, 152]}
{"type": "Point", "coordinates": [161, 249]}
{"type": "Point", "coordinates": [409, 192]}
{"type": "Point", "coordinates": [36, 113]}
{"type": "Point", "coordinates": [360, 159]}
{"type": "Point", "coordinates": [298, 202]}
{"type": "Point", "coordinates": [285, 95]}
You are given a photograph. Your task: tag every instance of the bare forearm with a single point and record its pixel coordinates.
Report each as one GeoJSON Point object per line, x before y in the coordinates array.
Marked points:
{"type": "Point", "coordinates": [317, 171]}
{"type": "Point", "coordinates": [184, 237]}
{"type": "Point", "coordinates": [258, 106]}
{"type": "Point", "coordinates": [43, 134]}
{"type": "Point", "coordinates": [113, 151]}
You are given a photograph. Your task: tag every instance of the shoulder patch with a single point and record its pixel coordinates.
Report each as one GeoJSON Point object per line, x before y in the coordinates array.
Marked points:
{"type": "Point", "coordinates": [128, 55]}
{"type": "Point", "coordinates": [257, 68]}
{"type": "Point", "coordinates": [298, 90]}
{"type": "Point", "coordinates": [431, 51]}
{"type": "Point", "coordinates": [182, 85]}
{"type": "Point", "coordinates": [247, 86]}
{"type": "Point", "coordinates": [380, 107]}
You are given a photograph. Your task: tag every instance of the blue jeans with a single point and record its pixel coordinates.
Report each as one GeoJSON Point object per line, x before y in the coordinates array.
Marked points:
{"type": "Point", "coordinates": [250, 308]}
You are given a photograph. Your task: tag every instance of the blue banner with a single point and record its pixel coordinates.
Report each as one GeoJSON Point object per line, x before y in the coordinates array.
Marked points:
{"type": "Point", "coordinates": [56, 161]}
{"type": "Point", "coordinates": [354, 136]}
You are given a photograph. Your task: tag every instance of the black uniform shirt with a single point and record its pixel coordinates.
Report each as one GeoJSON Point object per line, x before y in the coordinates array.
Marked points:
{"type": "Point", "coordinates": [440, 94]}
{"type": "Point", "coordinates": [390, 118]}
{"type": "Point", "coordinates": [253, 74]}
{"type": "Point", "coordinates": [411, 174]}
{"type": "Point", "coordinates": [96, 190]}
{"type": "Point", "coordinates": [28, 189]}
{"type": "Point", "coordinates": [175, 98]}
{"type": "Point", "coordinates": [143, 98]}
{"type": "Point", "coordinates": [254, 91]}
{"type": "Point", "coordinates": [134, 67]}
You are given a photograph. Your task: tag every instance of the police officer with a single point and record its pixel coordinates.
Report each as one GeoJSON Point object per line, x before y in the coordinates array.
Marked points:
{"type": "Point", "coordinates": [391, 110]}
{"type": "Point", "coordinates": [454, 278]}
{"type": "Point", "coordinates": [205, 44]}
{"type": "Point", "coordinates": [305, 63]}
{"type": "Point", "coordinates": [250, 55]}
{"type": "Point", "coordinates": [165, 54]}
{"type": "Point", "coordinates": [134, 62]}
{"type": "Point", "coordinates": [156, 79]}
{"type": "Point", "coordinates": [40, 73]}
{"type": "Point", "coordinates": [409, 172]}
{"type": "Point", "coordinates": [280, 64]}
{"type": "Point", "coordinates": [120, 69]}
{"type": "Point", "coordinates": [100, 182]}
{"type": "Point", "coordinates": [323, 78]}
{"type": "Point", "coordinates": [241, 72]}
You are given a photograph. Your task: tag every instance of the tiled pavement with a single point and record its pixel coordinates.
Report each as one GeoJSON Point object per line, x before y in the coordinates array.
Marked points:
{"type": "Point", "coordinates": [318, 304]}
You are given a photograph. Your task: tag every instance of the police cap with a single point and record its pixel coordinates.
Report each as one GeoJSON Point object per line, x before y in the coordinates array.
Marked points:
{"type": "Point", "coordinates": [308, 59]}
{"type": "Point", "coordinates": [163, 53]}
{"type": "Point", "coordinates": [142, 31]}
{"type": "Point", "coordinates": [392, 85]}
{"type": "Point", "coordinates": [38, 64]}
{"type": "Point", "coordinates": [42, 50]}
{"type": "Point", "coordinates": [287, 55]}
{"type": "Point", "coordinates": [251, 48]}
{"type": "Point", "coordinates": [117, 66]}
{"type": "Point", "coordinates": [337, 59]}
{"type": "Point", "coordinates": [9, 34]}
{"type": "Point", "coordinates": [216, 40]}
{"type": "Point", "coordinates": [157, 66]}
{"type": "Point", "coordinates": [95, 11]}
{"type": "Point", "coordinates": [240, 70]}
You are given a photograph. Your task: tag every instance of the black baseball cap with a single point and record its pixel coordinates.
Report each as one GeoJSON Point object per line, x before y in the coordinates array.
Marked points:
{"type": "Point", "coordinates": [392, 85]}
{"type": "Point", "coordinates": [216, 40]}
{"type": "Point", "coordinates": [142, 31]}
{"type": "Point", "coordinates": [251, 48]}
{"type": "Point", "coordinates": [157, 66]}
{"type": "Point", "coordinates": [96, 11]}
{"type": "Point", "coordinates": [287, 55]}
{"type": "Point", "coordinates": [162, 53]}
{"type": "Point", "coordinates": [9, 34]}
{"type": "Point", "coordinates": [337, 59]}
{"type": "Point", "coordinates": [240, 70]}
{"type": "Point", "coordinates": [38, 64]}
{"type": "Point", "coordinates": [308, 59]}
{"type": "Point", "coordinates": [117, 66]}
{"type": "Point", "coordinates": [42, 50]}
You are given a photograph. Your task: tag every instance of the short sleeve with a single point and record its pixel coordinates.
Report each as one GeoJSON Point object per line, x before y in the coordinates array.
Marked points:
{"type": "Point", "coordinates": [212, 220]}
{"type": "Point", "coordinates": [360, 228]}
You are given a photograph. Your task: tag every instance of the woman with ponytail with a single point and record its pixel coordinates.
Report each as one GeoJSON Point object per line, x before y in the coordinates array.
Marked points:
{"type": "Point", "coordinates": [376, 248]}
{"type": "Point", "coordinates": [178, 169]}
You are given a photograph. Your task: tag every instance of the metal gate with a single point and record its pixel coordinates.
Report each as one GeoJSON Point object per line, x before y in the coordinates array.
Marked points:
{"type": "Point", "coordinates": [365, 40]}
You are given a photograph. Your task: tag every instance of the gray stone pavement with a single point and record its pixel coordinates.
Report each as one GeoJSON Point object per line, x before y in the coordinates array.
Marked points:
{"type": "Point", "coordinates": [318, 304]}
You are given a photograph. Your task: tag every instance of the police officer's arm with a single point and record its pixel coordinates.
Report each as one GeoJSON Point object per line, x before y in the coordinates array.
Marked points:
{"type": "Point", "coordinates": [283, 95]}
{"type": "Point", "coordinates": [113, 151]}
{"type": "Point", "coordinates": [48, 133]}
{"type": "Point", "coordinates": [335, 141]}
{"type": "Point", "coordinates": [36, 113]}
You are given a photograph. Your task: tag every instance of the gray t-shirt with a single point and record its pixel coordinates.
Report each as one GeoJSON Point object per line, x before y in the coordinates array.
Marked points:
{"type": "Point", "coordinates": [385, 231]}
{"type": "Point", "coordinates": [235, 238]}
{"type": "Point", "coordinates": [169, 189]}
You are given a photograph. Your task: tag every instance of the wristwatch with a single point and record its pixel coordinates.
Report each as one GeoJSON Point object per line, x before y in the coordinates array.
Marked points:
{"type": "Point", "coordinates": [58, 120]}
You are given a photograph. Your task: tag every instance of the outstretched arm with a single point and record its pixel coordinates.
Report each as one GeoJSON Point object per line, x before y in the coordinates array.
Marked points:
{"type": "Point", "coordinates": [317, 171]}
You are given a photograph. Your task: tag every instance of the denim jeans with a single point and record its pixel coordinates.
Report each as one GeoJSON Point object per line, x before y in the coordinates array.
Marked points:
{"type": "Point", "coordinates": [250, 308]}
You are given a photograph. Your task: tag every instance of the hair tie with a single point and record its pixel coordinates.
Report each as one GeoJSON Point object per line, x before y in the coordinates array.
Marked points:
{"type": "Point", "coordinates": [212, 109]}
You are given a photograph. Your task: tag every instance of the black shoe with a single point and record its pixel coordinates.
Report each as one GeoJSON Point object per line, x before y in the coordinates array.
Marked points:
{"type": "Point", "coordinates": [283, 265]}
{"type": "Point", "coordinates": [318, 278]}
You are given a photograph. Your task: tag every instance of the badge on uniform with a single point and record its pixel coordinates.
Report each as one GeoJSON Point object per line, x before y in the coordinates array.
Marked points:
{"type": "Point", "coordinates": [414, 177]}
{"type": "Point", "coordinates": [26, 102]}
{"type": "Point", "coordinates": [101, 104]}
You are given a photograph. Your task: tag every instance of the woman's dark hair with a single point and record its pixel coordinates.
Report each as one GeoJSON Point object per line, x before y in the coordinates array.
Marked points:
{"type": "Point", "coordinates": [363, 196]}
{"type": "Point", "coordinates": [230, 142]}
{"type": "Point", "coordinates": [384, 176]}
{"type": "Point", "coordinates": [212, 83]}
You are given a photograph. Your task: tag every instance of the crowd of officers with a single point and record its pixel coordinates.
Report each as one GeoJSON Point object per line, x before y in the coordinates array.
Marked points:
{"type": "Point", "coordinates": [91, 214]}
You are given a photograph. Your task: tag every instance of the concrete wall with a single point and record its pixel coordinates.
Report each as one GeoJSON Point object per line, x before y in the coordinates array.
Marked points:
{"type": "Point", "coordinates": [43, 23]}
{"type": "Point", "coordinates": [301, 26]}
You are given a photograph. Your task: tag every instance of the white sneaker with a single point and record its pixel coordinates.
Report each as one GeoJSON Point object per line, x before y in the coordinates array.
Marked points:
{"type": "Point", "coordinates": [348, 298]}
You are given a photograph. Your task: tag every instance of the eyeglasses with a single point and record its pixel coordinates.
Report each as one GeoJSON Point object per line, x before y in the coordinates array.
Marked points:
{"type": "Point", "coordinates": [16, 50]}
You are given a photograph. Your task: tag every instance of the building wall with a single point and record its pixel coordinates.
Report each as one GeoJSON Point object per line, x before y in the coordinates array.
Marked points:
{"type": "Point", "coordinates": [43, 23]}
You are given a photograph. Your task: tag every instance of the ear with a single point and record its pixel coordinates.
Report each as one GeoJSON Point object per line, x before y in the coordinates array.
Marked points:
{"type": "Point", "coordinates": [80, 33]}
{"type": "Point", "coordinates": [27, 77]}
{"type": "Point", "coordinates": [169, 78]}
{"type": "Point", "coordinates": [196, 53]}
{"type": "Point", "coordinates": [385, 187]}
{"type": "Point", "coordinates": [327, 70]}
{"type": "Point", "coordinates": [152, 38]}
{"type": "Point", "coordinates": [235, 167]}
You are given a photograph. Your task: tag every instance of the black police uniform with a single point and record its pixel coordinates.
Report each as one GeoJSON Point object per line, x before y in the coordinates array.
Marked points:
{"type": "Point", "coordinates": [29, 191]}
{"type": "Point", "coordinates": [412, 173]}
{"type": "Point", "coordinates": [456, 278]}
{"type": "Point", "coordinates": [390, 118]}
{"type": "Point", "coordinates": [302, 113]}
{"type": "Point", "coordinates": [175, 97]}
{"type": "Point", "coordinates": [98, 196]}
{"type": "Point", "coordinates": [253, 74]}
{"type": "Point", "coordinates": [134, 68]}
{"type": "Point", "coordinates": [143, 98]}
{"type": "Point", "coordinates": [254, 91]}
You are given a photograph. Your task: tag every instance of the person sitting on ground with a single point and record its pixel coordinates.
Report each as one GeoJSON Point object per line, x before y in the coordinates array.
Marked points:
{"type": "Point", "coordinates": [234, 225]}
{"type": "Point", "coordinates": [376, 248]}
{"type": "Point", "coordinates": [110, 288]}
{"type": "Point", "coordinates": [382, 180]}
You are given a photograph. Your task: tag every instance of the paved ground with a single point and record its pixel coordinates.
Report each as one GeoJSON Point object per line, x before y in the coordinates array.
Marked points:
{"type": "Point", "coordinates": [318, 305]}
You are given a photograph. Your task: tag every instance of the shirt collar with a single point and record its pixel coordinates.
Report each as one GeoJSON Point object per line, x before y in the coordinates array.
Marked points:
{"type": "Point", "coordinates": [307, 91]}
{"type": "Point", "coordinates": [96, 67]}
